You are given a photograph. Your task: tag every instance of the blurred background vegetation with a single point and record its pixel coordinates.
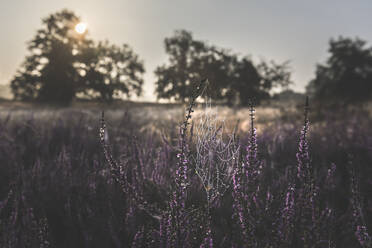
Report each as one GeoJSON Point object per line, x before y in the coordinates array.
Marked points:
{"type": "Point", "coordinates": [63, 65]}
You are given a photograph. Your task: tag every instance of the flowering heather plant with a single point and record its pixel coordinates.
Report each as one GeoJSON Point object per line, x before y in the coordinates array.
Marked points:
{"type": "Point", "coordinates": [253, 200]}
{"type": "Point", "coordinates": [359, 223]}
{"type": "Point", "coordinates": [177, 228]}
{"type": "Point", "coordinates": [120, 174]}
{"type": "Point", "coordinates": [213, 162]}
{"type": "Point", "coordinates": [299, 203]}
{"type": "Point", "coordinates": [306, 222]}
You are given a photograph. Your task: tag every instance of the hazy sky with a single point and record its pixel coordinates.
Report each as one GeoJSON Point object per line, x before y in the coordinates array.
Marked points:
{"type": "Point", "coordinates": [294, 30]}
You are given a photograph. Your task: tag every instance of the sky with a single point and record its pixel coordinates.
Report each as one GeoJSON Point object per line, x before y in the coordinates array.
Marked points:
{"type": "Point", "coordinates": [298, 31]}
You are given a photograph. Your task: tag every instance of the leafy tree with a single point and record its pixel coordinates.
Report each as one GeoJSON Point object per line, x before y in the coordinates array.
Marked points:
{"type": "Point", "coordinates": [184, 54]}
{"type": "Point", "coordinates": [63, 63]}
{"type": "Point", "coordinates": [346, 77]}
{"type": "Point", "coordinates": [231, 77]}
{"type": "Point", "coordinates": [274, 75]}
{"type": "Point", "coordinates": [108, 71]}
{"type": "Point", "coordinates": [48, 73]}
{"type": "Point", "coordinates": [250, 81]}
{"type": "Point", "coordinates": [245, 83]}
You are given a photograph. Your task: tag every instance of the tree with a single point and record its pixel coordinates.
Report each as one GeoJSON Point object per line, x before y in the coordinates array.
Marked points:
{"type": "Point", "coordinates": [63, 63]}
{"type": "Point", "coordinates": [110, 71]}
{"type": "Point", "coordinates": [48, 73]}
{"type": "Point", "coordinates": [231, 77]}
{"type": "Point", "coordinates": [184, 54]}
{"type": "Point", "coordinates": [274, 75]}
{"type": "Point", "coordinates": [245, 83]}
{"type": "Point", "coordinates": [346, 77]}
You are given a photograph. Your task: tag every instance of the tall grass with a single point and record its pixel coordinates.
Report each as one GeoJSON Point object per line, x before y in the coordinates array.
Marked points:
{"type": "Point", "coordinates": [203, 186]}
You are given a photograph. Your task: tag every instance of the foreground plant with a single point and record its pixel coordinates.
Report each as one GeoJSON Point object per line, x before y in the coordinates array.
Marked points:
{"type": "Point", "coordinates": [306, 222]}
{"type": "Point", "coordinates": [173, 220]}
{"type": "Point", "coordinates": [213, 162]}
{"type": "Point", "coordinates": [21, 228]}
{"type": "Point", "coordinates": [177, 228]}
{"type": "Point", "coordinates": [358, 219]}
{"type": "Point", "coordinates": [251, 199]}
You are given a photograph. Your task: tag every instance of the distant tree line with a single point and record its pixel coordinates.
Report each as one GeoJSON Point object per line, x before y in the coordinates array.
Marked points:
{"type": "Point", "coordinates": [63, 64]}
{"type": "Point", "coordinates": [232, 78]}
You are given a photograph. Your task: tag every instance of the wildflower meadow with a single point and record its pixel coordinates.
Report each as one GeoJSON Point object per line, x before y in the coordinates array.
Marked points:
{"type": "Point", "coordinates": [93, 179]}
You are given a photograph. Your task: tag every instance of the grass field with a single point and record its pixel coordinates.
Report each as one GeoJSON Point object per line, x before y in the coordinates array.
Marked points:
{"type": "Point", "coordinates": [213, 187]}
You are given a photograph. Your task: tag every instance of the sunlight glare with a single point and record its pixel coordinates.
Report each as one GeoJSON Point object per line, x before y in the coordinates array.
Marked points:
{"type": "Point", "coordinates": [81, 27]}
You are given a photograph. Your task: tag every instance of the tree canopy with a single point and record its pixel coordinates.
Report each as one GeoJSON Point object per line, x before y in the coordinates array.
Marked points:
{"type": "Point", "coordinates": [346, 77]}
{"type": "Point", "coordinates": [232, 78]}
{"type": "Point", "coordinates": [108, 71]}
{"type": "Point", "coordinates": [63, 63]}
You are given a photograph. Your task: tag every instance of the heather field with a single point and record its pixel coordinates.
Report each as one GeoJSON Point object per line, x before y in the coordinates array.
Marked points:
{"type": "Point", "coordinates": [155, 176]}
{"type": "Point", "coordinates": [185, 124]}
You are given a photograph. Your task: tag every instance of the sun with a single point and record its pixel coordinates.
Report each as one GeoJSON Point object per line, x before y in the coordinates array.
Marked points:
{"type": "Point", "coordinates": [81, 27]}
